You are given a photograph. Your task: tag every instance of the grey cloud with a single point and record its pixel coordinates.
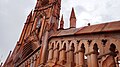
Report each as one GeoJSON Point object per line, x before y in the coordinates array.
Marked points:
{"type": "Point", "coordinates": [79, 9]}
{"type": "Point", "coordinates": [13, 14]}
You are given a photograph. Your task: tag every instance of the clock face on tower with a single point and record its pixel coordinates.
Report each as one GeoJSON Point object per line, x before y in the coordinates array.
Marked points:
{"type": "Point", "coordinates": [44, 2]}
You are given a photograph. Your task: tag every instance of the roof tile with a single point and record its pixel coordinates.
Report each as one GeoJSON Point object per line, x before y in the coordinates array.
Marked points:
{"type": "Point", "coordinates": [113, 26]}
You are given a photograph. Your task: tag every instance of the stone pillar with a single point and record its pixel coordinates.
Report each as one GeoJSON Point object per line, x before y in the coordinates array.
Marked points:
{"type": "Point", "coordinates": [29, 62]}
{"type": "Point", "coordinates": [71, 56]}
{"type": "Point", "coordinates": [94, 59]}
{"type": "Point", "coordinates": [89, 61]}
{"type": "Point", "coordinates": [23, 65]}
{"type": "Point", "coordinates": [67, 54]}
{"type": "Point", "coordinates": [56, 54]}
{"type": "Point", "coordinates": [44, 52]}
{"type": "Point", "coordinates": [62, 58]}
{"type": "Point", "coordinates": [37, 61]}
{"type": "Point", "coordinates": [50, 55]}
{"type": "Point", "coordinates": [26, 64]}
{"type": "Point", "coordinates": [77, 58]}
{"type": "Point", "coordinates": [34, 62]}
{"type": "Point", "coordinates": [81, 56]}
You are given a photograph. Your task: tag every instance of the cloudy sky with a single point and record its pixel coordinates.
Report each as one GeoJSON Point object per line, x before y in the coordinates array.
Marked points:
{"type": "Point", "coordinates": [13, 14]}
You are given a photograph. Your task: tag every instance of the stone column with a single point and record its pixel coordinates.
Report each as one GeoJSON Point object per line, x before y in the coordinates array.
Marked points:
{"type": "Point", "coordinates": [94, 59]}
{"type": "Point", "coordinates": [81, 56]}
{"type": "Point", "coordinates": [29, 62]}
{"type": "Point", "coordinates": [56, 54]}
{"type": "Point", "coordinates": [77, 58]}
{"type": "Point", "coordinates": [37, 60]}
{"type": "Point", "coordinates": [67, 54]}
{"type": "Point", "coordinates": [34, 62]}
{"type": "Point", "coordinates": [62, 58]}
{"type": "Point", "coordinates": [44, 52]}
{"type": "Point", "coordinates": [26, 64]}
{"type": "Point", "coordinates": [88, 53]}
{"type": "Point", "coordinates": [89, 61]}
{"type": "Point", "coordinates": [71, 57]}
{"type": "Point", "coordinates": [50, 55]}
{"type": "Point", "coordinates": [23, 65]}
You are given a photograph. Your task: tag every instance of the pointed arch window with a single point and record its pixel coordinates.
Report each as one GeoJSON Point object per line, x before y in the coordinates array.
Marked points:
{"type": "Point", "coordinates": [38, 26]}
{"type": "Point", "coordinates": [38, 23]}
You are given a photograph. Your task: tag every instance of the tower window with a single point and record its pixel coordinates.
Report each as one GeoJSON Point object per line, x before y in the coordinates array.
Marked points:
{"type": "Point", "coordinates": [38, 24]}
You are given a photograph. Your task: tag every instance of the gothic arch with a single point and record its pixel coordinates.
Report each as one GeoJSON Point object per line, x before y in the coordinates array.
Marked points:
{"type": "Point", "coordinates": [85, 45]}
{"type": "Point", "coordinates": [58, 45]}
{"type": "Point", "coordinates": [73, 44]}
{"type": "Point", "coordinates": [80, 44]}
{"type": "Point", "coordinates": [52, 45]}
{"type": "Point", "coordinates": [93, 45]}
{"type": "Point", "coordinates": [65, 43]}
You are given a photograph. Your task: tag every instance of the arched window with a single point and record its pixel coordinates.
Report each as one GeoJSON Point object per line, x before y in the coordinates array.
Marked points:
{"type": "Point", "coordinates": [52, 45]}
{"type": "Point", "coordinates": [112, 47]}
{"type": "Point", "coordinates": [38, 26]}
{"type": "Point", "coordinates": [72, 47]}
{"type": "Point", "coordinates": [38, 23]}
{"type": "Point", "coordinates": [58, 46]}
{"type": "Point", "coordinates": [95, 47]}
{"type": "Point", "coordinates": [64, 47]}
{"type": "Point", "coordinates": [83, 47]}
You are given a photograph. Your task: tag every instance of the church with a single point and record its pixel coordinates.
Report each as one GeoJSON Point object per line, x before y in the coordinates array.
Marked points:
{"type": "Point", "coordinates": [44, 42]}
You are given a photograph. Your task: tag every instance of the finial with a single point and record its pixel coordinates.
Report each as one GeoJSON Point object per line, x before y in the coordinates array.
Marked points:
{"type": "Point", "coordinates": [72, 19]}
{"type": "Point", "coordinates": [30, 13]}
{"type": "Point", "coordinates": [62, 23]}
{"type": "Point", "coordinates": [88, 24]}
{"type": "Point", "coordinates": [72, 14]}
{"type": "Point", "coordinates": [62, 18]}
{"type": "Point", "coordinates": [29, 17]}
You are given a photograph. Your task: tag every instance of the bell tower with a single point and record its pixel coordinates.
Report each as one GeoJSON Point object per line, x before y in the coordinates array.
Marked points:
{"type": "Point", "coordinates": [49, 11]}
{"type": "Point", "coordinates": [46, 17]}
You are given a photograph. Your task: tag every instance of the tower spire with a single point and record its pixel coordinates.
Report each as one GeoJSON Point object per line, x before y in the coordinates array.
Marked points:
{"type": "Point", "coordinates": [62, 23]}
{"type": "Point", "coordinates": [30, 13]}
{"type": "Point", "coordinates": [72, 19]}
{"type": "Point", "coordinates": [72, 14]}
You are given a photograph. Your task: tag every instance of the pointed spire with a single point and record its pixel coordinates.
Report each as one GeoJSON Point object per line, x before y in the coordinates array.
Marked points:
{"type": "Point", "coordinates": [29, 17]}
{"type": "Point", "coordinates": [62, 23]}
{"type": "Point", "coordinates": [72, 19]}
{"type": "Point", "coordinates": [72, 14]}
{"type": "Point", "coordinates": [30, 13]}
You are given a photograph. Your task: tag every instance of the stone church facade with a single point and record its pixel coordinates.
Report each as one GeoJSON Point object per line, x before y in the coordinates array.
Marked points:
{"type": "Point", "coordinates": [45, 43]}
